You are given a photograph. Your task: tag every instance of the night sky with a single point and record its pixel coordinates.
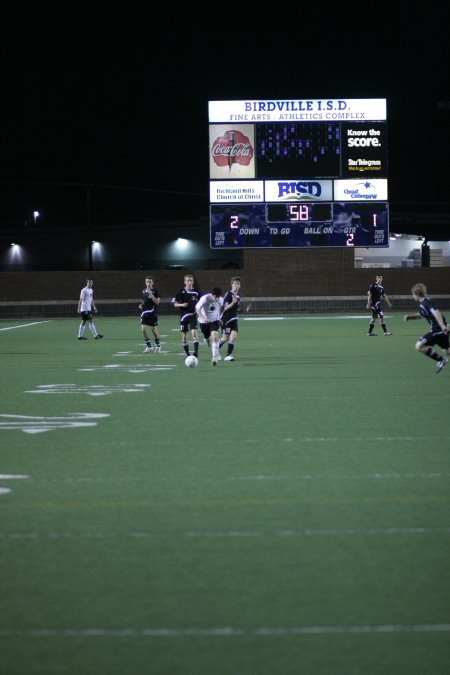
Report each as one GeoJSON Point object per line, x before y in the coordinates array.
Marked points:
{"type": "Point", "coordinates": [121, 99]}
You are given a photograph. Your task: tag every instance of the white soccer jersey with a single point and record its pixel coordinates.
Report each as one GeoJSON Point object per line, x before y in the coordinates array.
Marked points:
{"type": "Point", "coordinates": [209, 307]}
{"type": "Point", "coordinates": [86, 297]}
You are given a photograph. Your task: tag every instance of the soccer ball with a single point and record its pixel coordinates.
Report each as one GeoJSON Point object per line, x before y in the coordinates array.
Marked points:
{"type": "Point", "coordinates": [191, 361]}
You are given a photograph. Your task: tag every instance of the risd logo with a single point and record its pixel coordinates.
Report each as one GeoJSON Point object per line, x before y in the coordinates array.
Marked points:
{"type": "Point", "coordinates": [299, 190]}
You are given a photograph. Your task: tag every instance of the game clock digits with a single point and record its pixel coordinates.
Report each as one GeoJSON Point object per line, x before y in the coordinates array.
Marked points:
{"type": "Point", "coordinates": [298, 173]}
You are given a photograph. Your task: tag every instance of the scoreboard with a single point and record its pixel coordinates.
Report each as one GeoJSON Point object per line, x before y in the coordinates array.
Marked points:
{"type": "Point", "coordinates": [298, 224]}
{"type": "Point", "coordinates": [298, 173]}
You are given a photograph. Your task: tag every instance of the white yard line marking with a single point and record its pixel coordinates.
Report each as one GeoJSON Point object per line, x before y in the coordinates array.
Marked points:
{"type": "Point", "coordinates": [322, 317]}
{"type": "Point", "coordinates": [135, 368]}
{"type": "Point", "coordinates": [345, 476]}
{"type": "Point", "coordinates": [25, 325]}
{"type": "Point", "coordinates": [262, 318]}
{"type": "Point", "coordinates": [321, 477]}
{"type": "Point", "coordinates": [8, 476]}
{"type": "Point", "coordinates": [226, 631]}
{"type": "Point", "coordinates": [38, 424]}
{"type": "Point", "coordinates": [91, 390]}
{"type": "Point", "coordinates": [232, 534]}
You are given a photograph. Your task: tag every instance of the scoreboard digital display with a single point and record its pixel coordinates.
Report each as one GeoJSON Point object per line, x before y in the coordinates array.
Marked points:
{"type": "Point", "coordinates": [298, 173]}
{"type": "Point", "coordinates": [299, 225]}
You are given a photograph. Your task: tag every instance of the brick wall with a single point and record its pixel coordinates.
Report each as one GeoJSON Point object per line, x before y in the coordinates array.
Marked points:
{"type": "Point", "coordinates": [266, 273]}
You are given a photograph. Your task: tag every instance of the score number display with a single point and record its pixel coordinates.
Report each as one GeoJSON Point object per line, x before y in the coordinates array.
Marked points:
{"type": "Point", "coordinates": [300, 224]}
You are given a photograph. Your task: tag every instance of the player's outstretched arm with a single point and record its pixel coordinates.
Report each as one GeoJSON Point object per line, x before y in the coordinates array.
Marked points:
{"type": "Point", "coordinates": [440, 319]}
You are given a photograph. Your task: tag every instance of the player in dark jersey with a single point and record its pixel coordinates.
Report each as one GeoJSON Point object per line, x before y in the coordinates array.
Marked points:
{"type": "Point", "coordinates": [375, 296]}
{"type": "Point", "coordinates": [149, 314]}
{"type": "Point", "coordinates": [229, 317]}
{"type": "Point", "coordinates": [185, 300]}
{"type": "Point", "coordinates": [438, 334]}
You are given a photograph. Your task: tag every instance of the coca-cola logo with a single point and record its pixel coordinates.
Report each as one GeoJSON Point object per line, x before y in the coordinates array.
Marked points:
{"type": "Point", "coordinates": [232, 147]}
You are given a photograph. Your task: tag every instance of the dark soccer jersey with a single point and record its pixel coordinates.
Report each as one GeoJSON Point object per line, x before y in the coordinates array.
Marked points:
{"type": "Point", "coordinates": [147, 302]}
{"type": "Point", "coordinates": [191, 297]}
{"type": "Point", "coordinates": [233, 312]}
{"type": "Point", "coordinates": [376, 292]}
{"type": "Point", "coordinates": [425, 308]}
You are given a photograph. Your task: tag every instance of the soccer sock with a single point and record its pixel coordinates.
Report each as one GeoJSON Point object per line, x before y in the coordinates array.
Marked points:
{"type": "Point", "coordinates": [214, 349]}
{"type": "Point", "coordinates": [370, 327]}
{"type": "Point", "coordinates": [186, 348]}
{"type": "Point", "coordinates": [147, 342]}
{"type": "Point", "coordinates": [433, 355]}
{"type": "Point", "coordinates": [92, 329]}
{"type": "Point", "coordinates": [230, 348]}
{"type": "Point", "coordinates": [81, 329]}
{"type": "Point", "coordinates": [157, 342]}
{"type": "Point", "coordinates": [383, 326]}
{"type": "Point", "coordinates": [196, 344]}
{"type": "Point", "coordinates": [221, 343]}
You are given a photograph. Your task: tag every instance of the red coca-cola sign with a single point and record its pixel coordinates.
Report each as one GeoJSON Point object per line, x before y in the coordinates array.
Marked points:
{"type": "Point", "coordinates": [233, 147]}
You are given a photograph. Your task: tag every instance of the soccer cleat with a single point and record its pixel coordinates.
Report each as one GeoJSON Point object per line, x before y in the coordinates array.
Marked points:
{"type": "Point", "coordinates": [219, 358]}
{"type": "Point", "coordinates": [147, 350]}
{"type": "Point", "coordinates": [371, 335]}
{"type": "Point", "coordinates": [440, 365]}
{"type": "Point", "coordinates": [229, 358]}
{"type": "Point", "coordinates": [214, 362]}
{"type": "Point", "coordinates": [98, 336]}
{"type": "Point", "coordinates": [157, 348]}
{"type": "Point", "coordinates": [387, 333]}
{"type": "Point", "coordinates": [81, 338]}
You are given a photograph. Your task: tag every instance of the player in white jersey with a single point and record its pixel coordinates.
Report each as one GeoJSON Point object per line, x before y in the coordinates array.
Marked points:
{"type": "Point", "coordinates": [209, 309]}
{"type": "Point", "coordinates": [85, 306]}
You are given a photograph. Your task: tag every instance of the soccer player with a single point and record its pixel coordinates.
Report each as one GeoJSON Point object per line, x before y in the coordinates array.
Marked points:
{"type": "Point", "coordinates": [438, 334]}
{"type": "Point", "coordinates": [85, 306]}
{"type": "Point", "coordinates": [185, 300]}
{"type": "Point", "coordinates": [209, 309]}
{"type": "Point", "coordinates": [375, 295]}
{"type": "Point", "coordinates": [229, 317]}
{"type": "Point", "coordinates": [149, 314]}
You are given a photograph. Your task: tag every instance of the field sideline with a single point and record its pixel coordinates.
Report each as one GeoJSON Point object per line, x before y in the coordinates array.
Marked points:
{"type": "Point", "coordinates": [283, 514]}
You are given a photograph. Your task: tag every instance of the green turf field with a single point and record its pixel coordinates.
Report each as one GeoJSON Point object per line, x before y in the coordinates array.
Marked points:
{"type": "Point", "coordinates": [283, 514]}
